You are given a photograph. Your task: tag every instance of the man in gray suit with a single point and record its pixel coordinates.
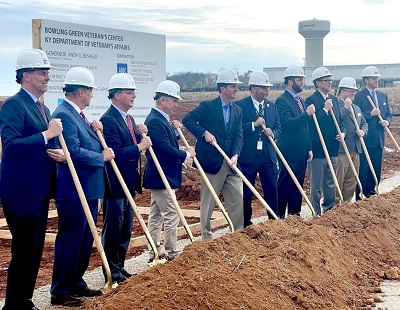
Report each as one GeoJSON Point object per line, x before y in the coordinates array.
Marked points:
{"type": "Point", "coordinates": [345, 175]}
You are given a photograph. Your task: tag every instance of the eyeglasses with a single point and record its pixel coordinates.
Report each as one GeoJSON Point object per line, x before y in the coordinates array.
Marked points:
{"type": "Point", "coordinates": [327, 80]}
{"type": "Point", "coordinates": [127, 92]}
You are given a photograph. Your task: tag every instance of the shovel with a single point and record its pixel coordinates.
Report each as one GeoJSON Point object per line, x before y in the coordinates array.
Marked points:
{"type": "Point", "coordinates": [170, 192]}
{"type": "Point", "coordinates": [244, 179]}
{"type": "Point", "coordinates": [89, 218]}
{"type": "Point", "coordinates": [209, 185]}
{"type": "Point", "coordinates": [133, 204]}
{"type": "Point", "coordinates": [285, 163]}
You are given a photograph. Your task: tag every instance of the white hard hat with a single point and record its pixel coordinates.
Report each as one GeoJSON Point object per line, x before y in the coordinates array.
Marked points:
{"type": "Point", "coordinates": [294, 71]}
{"type": "Point", "coordinates": [169, 88]}
{"type": "Point", "coordinates": [348, 82]}
{"type": "Point", "coordinates": [228, 76]}
{"type": "Point", "coordinates": [33, 59]}
{"type": "Point", "coordinates": [370, 71]}
{"type": "Point", "coordinates": [259, 79]}
{"type": "Point", "coordinates": [80, 76]}
{"type": "Point", "coordinates": [121, 81]}
{"type": "Point", "coordinates": [320, 73]}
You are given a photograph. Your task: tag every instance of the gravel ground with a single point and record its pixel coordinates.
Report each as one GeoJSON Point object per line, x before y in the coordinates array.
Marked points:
{"type": "Point", "coordinates": [95, 279]}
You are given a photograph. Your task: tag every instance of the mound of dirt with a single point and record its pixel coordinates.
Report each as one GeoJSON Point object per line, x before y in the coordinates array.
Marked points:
{"type": "Point", "coordinates": [333, 262]}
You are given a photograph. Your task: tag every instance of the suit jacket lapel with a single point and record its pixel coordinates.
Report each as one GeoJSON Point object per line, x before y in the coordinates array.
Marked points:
{"type": "Point", "coordinates": [120, 120]}
{"type": "Point", "coordinates": [80, 119]}
{"type": "Point", "coordinates": [294, 102]}
{"type": "Point", "coordinates": [32, 105]}
{"type": "Point", "coordinates": [169, 126]}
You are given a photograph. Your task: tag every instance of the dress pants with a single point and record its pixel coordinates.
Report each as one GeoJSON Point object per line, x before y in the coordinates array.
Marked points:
{"type": "Point", "coordinates": [231, 185]}
{"type": "Point", "coordinates": [288, 193]}
{"type": "Point", "coordinates": [27, 221]}
{"type": "Point", "coordinates": [117, 230]}
{"type": "Point", "coordinates": [162, 210]}
{"type": "Point", "coordinates": [73, 246]}
{"type": "Point", "coordinates": [346, 178]}
{"type": "Point", "coordinates": [366, 178]}
{"type": "Point", "coordinates": [322, 184]}
{"type": "Point", "coordinates": [267, 171]}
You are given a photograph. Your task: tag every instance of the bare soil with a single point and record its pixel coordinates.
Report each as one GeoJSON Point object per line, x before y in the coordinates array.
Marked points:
{"type": "Point", "coordinates": [332, 262]}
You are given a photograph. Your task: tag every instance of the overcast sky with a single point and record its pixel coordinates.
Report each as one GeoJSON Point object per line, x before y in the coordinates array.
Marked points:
{"type": "Point", "coordinates": [209, 35]}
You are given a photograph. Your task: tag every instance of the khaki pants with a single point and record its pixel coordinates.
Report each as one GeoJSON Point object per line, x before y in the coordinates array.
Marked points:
{"type": "Point", "coordinates": [231, 186]}
{"type": "Point", "coordinates": [162, 210]}
{"type": "Point", "coordinates": [345, 175]}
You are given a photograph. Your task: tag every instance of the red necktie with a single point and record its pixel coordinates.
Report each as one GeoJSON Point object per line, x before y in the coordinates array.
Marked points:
{"type": "Point", "coordinates": [299, 103]}
{"type": "Point", "coordinates": [84, 117]}
{"type": "Point", "coordinates": [130, 127]}
{"type": "Point", "coordinates": [41, 109]}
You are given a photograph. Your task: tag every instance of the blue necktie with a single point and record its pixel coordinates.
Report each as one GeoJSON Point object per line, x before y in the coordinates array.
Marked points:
{"type": "Point", "coordinates": [374, 98]}
{"type": "Point", "coordinates": [226, 116]}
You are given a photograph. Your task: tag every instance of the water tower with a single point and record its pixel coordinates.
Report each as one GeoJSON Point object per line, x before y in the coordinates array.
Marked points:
{"type": "Point", "coordinates": [314, 32]}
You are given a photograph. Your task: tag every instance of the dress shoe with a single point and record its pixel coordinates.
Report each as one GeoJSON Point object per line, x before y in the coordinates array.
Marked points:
{"type": "Point", "coordinates": [160, 256]}
{"type": "Point", "coordinates": [125, 273]}
{"type": "Point", "coordinates": [119, 278]}
{"type": "Point", "coordinates": [34, 308]}
{"type": "Point", "coordinates": [86, 292]}
{"type": "Point", "coordinates": [66, 301]}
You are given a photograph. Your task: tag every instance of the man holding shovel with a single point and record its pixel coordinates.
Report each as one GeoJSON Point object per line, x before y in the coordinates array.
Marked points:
{"type": "Point", "coordinates": [219, 120]}
{"type": "Point", "coordinates": [260, 119]}
{"type": "Point", "coordinates": [74, 239]}
{"type": "Point", "coordinates": [170, 157]}
{"type": "Point", "coordinates": [345, 175]}
{"type": "Point", "coordinates": [375, 140]}
{"type": "Point", "coordinates": [321, 178]}
{"type": "Point", "coordinates": [28, 174]}
{"type": "Point", "coordinates": [125, 138]}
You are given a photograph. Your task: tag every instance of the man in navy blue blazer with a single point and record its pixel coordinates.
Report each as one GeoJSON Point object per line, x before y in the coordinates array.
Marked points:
{"type": "Point", "coordinates": [294, 142]}
{"type": "Point", "coordinates": [375, 139]}
{"type": "Point", "coordinates": [74, 239]}
{"type": "Point", "coordinates": [166, 148]}
{"type": "Point", "coordinates": [219, 120]}
{"type": "Point", "coordinates": [258, 154]}
{"type": "Point", "coordinates": [125, 138]}
{"type": "Point", "coordinates": [321, 180]}
{"type": "Point", "coordinates": [28, 174]}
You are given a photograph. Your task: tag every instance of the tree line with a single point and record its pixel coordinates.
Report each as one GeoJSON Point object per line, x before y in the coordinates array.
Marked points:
{"type": "Point", "coordinates": [190, 81]}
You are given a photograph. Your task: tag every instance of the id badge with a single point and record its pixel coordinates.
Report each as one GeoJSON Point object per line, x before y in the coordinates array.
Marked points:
{"type": "Point", "coordinates": [259, 145]}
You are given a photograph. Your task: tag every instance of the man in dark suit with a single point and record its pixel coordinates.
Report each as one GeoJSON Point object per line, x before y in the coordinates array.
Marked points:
{"type": "Point", "coordinates": [345, 175]}
{"type": "Point", "coordinates": [28, 174]}
{"type": "Point", "coordinates": [219, 120]}
{"type": "Point", "coordinates": [321, 179]}
{"type": "Point", "coordinates": [375, 139]}
{"type": "Point", "coordinates": [74, 239]}
{"type": "Point", "coordinates": [294, 142]}
{"type": "Point", "coordinates": [166, 148]}
{"type": "Point", "coordinates": [258, 154]}
{"type": "Point", "coordinates": [125, 138]}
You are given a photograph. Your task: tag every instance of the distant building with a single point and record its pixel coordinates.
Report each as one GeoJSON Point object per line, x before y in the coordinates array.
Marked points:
{"type": "Point", "coordinates": [390, 74]}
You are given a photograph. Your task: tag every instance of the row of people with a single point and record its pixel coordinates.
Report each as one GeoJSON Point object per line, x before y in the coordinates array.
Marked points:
{"type": "Point", "coordinates": [242, 129]}
{"type": "Point", "coordinates": [33, 152]}
{"type": "Point", "coordinates": [296, 125]}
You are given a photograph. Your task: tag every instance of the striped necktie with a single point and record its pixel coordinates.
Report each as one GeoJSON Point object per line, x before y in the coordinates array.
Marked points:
{"type": "Point", "coordinates": [260, 111]}
{"type": "Point", "coordinates": [299, 103]}
{"type": "Point", "coordinates": [130, 127]}
{"type": "Point", "coordinates": [41, 109]}
{"type": "Point", "coordinates": [84, 117]}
